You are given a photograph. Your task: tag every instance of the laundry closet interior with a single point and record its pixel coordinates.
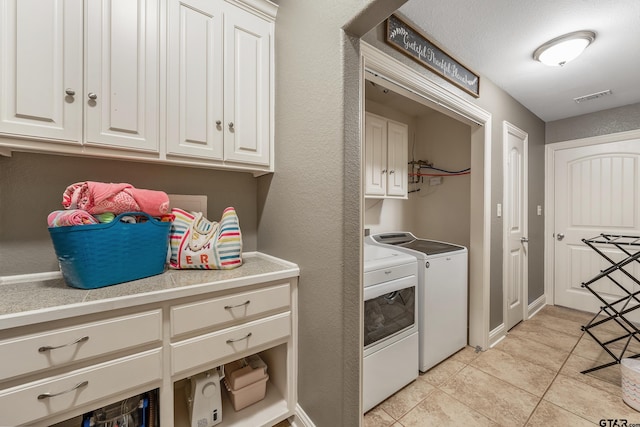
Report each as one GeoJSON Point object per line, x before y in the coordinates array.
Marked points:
{"type": "Point", "coordinates": [417, 190]}
{"type": "Point", "coordinates": [437, 205]}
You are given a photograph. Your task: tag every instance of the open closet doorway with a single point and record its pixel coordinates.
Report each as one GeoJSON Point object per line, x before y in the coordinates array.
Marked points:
{"type": "Point", "coordinates": [386, 72]}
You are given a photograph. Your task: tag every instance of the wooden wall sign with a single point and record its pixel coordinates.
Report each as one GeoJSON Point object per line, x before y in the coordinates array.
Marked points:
{"type": "Point", "coordinates": [416, 46]}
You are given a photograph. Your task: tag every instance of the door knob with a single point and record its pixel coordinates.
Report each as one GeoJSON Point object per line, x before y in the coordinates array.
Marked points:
{"type": "Point", "coordinates": [524, 239]}
{"type": "Point", "coordinates": [560, 236]}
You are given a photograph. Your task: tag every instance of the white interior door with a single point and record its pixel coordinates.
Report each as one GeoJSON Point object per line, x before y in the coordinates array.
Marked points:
{"type": "Point", "coordinates": [515, 224]}
{"type": "Point", "coordinates": [596, 190]}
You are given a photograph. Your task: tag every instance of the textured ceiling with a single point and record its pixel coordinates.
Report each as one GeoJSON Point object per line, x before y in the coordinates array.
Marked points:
{"type": "Point", "coordinates": [496, 38]}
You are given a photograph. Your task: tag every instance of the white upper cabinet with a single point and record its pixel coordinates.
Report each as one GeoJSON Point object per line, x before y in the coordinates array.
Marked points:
{"type": "Point", "coordinates": [397, 158]}
{"type": "Point", "coordinates": [219, 83]}
{"type": "Point", "coordinates": [247, 99]}
{"type": "Point", "coordinates": [121, 73]}
{"type": "Point", "coordinates": [375, 156]}
{"type": "Point", "coordinates": [194, 79]}
{"type": "Point", "coordinates": [386, 157]}
{"type": "Point", "coordinates": [41, 69]}
{"type": "Point", "coordinates": [66, 59]}
{"type": "Point", "coordinates": [179, 82]}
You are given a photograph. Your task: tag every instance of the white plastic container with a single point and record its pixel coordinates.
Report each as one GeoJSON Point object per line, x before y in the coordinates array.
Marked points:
{"type": "Point", "coordinates": [630, 370]}
{"type": "Point", "coordinates": [245, 371]}
{"type": "Point", "coordinates": [247, 395]}
{"type": "Point", "coordinates": [246, 381]}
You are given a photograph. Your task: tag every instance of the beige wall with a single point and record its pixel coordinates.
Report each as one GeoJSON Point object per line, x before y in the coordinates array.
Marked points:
{"type": "Point", "coordinates": [442, 212]}
{"type": "Point", "coordinates": [594, 124]}
{"type": "Point", "coordinates": [310, 210]}
{"type": "Point", "coordinates": [31, 186]}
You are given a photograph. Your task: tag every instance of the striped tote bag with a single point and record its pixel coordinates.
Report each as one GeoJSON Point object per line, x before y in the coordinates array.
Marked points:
{"type": "Point", "coordinates": [202, 244]}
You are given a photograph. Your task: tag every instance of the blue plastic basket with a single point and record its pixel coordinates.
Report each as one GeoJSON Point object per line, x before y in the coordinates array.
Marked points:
{"type": "Point", "coordinates": [96, 255]}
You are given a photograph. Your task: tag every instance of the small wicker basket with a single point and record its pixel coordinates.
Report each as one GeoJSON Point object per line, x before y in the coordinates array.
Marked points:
{"type": "Point", "coordinates": [96, 255]}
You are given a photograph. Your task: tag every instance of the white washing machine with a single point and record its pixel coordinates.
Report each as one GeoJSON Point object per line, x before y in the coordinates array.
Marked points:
{"type": "Point", "coordinates": [442, 293]}
{"type": "Point", "coordinates": [390, 323]}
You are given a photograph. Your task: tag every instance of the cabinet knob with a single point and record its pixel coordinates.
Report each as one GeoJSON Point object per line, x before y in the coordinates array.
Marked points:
{"type": "Point", "coordinates": [383, 171]}
{"type": "Point", "coordinates": [218, 122]}
{"type": "Point", "coordinates": [230, 125]}
{"type": "Point", "coordinates": [70, 92]}
{"type": "Point", "coordinates": [390, 172]}
{"type": "Point", "coordinates": [92, 96]}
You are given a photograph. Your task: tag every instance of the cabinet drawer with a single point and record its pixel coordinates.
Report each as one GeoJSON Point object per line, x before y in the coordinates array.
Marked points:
{"type": "Point", "coordinates": [40, 399]}
{"type": "Point", "coordinates": [236, 307]}
{"type": "Point", "coordinates": [208, 348]}
{"type": "Point", "coordinates": [59, 347]}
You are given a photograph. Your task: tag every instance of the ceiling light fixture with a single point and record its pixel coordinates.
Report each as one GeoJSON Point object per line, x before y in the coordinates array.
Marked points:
{"type": "Point", "coordinates": [563, 49]}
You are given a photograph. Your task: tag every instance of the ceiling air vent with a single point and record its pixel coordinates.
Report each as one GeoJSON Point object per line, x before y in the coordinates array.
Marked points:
{"type": "Point", "coordinates": [592, 96]}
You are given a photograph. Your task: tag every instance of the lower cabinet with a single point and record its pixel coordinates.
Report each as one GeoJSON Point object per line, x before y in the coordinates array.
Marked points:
{"type": "Point", "coordinates": [155, 351]}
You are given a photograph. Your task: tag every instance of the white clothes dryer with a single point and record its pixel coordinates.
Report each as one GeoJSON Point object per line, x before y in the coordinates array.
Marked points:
{"type": "Point", "coordinates": [390, 323]}
{"type": "Point", "coordinates": [442, 293]}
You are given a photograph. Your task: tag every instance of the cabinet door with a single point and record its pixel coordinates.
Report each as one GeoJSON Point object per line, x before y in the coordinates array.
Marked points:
{"type": "Point", "coordinates": [41, 51]}
{"type": "Point", "coordinates": [375, 153]}
{"type": "Point", "coordinates": [247, 104]}
{"type": "Point", "coordinates": [121, 74]}
{"type": "Point", "coordinates": [397, 157]}
{"type": "Point", "coordinates": [194, 79]}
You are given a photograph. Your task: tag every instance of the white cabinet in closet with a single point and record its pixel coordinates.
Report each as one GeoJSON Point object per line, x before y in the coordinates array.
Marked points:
{"type": "Point", "coordinates": [386, 156]}
{"type": "Point", "coordinates": [219, 82]}
{"type": "Point", "coordinates": [53, 73]}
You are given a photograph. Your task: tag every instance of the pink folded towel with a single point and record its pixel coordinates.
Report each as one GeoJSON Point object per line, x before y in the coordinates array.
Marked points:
{"type": "Point", "coordinates": [70, 217]}
{"type": "Point", "coordinates": [100, 197]}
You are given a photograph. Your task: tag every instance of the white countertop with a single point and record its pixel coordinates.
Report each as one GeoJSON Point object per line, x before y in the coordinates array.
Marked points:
{"type": "Point", "coordinates": [30, 302]}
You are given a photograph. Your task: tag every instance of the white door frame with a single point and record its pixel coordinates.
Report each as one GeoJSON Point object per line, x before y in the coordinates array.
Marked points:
{"type": "Point", "coordinates": [549, 218]}
{"type": "Point", "coordinates": [507, 129]}
{"type": "Point", "coordinates": [416, 86]}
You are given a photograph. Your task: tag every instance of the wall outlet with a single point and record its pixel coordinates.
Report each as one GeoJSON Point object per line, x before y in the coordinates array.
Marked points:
{"type": "Point", "coordinates": [189, 203]}
{"type": "Point", "coordinates": [539, 211]}
{"type": "Point", "coordinates": [435, 180]}
{"type": "Point", "coordinates": [499, 210]}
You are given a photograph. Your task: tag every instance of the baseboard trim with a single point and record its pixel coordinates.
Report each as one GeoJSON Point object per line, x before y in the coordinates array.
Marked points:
{"type": "Point", "coordinates": [496, 335]}
{"type": "Point", "coordinates": [536, 306]}
{"type": "Point", "coordinates": [301, 419]}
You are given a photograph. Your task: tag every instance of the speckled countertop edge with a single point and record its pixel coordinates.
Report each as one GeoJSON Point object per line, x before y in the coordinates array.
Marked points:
{"type": "Point", "coordinates": [46, 300]}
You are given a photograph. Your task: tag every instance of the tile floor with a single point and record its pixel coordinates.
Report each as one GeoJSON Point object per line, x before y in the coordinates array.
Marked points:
{"type": "Point", "coordinates": [531, 378]}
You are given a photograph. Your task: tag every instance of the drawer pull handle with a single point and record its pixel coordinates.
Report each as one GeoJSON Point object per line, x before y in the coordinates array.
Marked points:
{"type": "Point", "coordinates": [75, 387]}
{"type": "Point", "coordinates": [229, 307]}
{"type": "Point", "coordinates": [231, 341]}
{"type": "Point", "coordinates": [49, 347]}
